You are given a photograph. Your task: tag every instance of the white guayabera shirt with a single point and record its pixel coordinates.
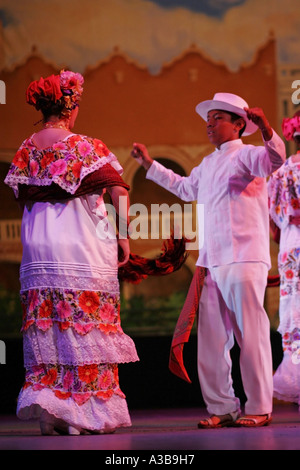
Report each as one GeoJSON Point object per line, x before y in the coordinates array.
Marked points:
{"type": "Point", "coordinates": [231, 185]}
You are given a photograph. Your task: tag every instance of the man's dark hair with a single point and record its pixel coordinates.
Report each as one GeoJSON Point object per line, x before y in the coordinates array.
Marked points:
{"type": "Point", "coordinates": [235, 117]}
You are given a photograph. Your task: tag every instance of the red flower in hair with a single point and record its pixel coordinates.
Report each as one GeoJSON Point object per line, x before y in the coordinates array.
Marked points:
{"type": "Point", "coordinates": [290, 126]}
{"type": "Point", "coordinates": [48, 87]}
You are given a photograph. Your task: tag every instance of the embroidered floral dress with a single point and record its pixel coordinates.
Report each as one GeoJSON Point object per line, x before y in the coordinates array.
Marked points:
{"type": "Point", "coordinates": [73, 340]}
{"type": "Point", "coordinates": [284, 194]}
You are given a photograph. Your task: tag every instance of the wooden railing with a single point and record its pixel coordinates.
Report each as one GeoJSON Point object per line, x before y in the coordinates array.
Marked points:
{"type": "Point", "coordinates": [10, 230]}
{"type": "Point", "coordinates": [10, 240]}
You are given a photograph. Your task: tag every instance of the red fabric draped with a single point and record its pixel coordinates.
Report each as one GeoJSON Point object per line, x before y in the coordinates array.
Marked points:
{"type": "Point", "coordinates": [186, 320]}
{"type": "Point", "coordinates": [172, 257]}
{"type": "Point", "coordinates": [185, 323]}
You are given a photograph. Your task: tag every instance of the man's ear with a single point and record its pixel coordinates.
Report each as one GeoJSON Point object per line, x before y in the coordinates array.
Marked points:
{"type": "Point", "coordinates": [240, 124]}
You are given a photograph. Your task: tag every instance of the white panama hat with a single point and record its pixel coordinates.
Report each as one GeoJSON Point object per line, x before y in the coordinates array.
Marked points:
{"type": "Point", "coordinates": [227, 102]}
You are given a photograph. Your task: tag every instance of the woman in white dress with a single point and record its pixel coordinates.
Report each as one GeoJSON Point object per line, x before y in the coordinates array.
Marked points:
{"type": "Point", "coordinates": [284, 194]}
{"type": "Point", "coordinates": [73, 340]}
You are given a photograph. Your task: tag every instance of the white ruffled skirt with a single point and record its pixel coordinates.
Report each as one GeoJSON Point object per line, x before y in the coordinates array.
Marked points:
{"type": "Point", "coordinates": [72, 335]}
{"type": "Point", "coordinates": [75, 377]}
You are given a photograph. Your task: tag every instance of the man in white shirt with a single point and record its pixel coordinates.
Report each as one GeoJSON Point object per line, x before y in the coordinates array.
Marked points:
{"type": "Point", "coordinates": [231, 185]}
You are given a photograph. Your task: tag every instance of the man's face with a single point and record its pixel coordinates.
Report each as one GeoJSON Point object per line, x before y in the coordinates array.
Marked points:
{"type": "Point", "coordinates": [220, 127]}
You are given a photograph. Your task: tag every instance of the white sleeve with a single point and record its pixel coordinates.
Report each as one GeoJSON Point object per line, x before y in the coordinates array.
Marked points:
{"type": "Point", "coordinates": [263, 161]}
{"type": "Point", "coordinates": [185, 187]}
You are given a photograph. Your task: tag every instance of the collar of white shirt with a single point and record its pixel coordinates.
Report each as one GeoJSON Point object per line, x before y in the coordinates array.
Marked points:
{"type": "Point", "coordinates": [231, 144]}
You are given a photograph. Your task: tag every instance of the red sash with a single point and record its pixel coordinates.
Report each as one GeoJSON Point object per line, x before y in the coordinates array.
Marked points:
{"type": "Point", "coordinates": [185, 323]}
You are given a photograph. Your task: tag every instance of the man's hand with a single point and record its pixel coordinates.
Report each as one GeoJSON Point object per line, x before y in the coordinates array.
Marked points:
{"type": "Point", "coordinates": [141, 155]}
{"type": "Point", "coordinates": [257, 116]}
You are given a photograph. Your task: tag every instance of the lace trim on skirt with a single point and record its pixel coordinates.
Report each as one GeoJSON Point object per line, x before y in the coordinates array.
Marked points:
{"type": "Point", "coordinates": [95, 414]}
{"type": "Point", "coordinates": [68, 347]}
{"type": "Point", "coordinates": [77, 280]}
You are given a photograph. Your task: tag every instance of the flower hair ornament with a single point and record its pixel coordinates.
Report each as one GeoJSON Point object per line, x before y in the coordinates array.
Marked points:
{"type": "Point", "coordinates": [291, 126]}
{"type": "Point", "coordinates": [65, 89]}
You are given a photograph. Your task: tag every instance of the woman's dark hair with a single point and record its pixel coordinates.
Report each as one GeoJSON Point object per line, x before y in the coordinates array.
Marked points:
{"type": "Point", "coordinates": [49, 108]}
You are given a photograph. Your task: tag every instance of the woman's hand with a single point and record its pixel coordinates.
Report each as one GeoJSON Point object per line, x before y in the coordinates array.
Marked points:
{"type": "Point", "coordinates": [123, 251]}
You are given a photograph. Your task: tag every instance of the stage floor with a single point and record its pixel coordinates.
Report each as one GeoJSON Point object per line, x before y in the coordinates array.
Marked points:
{"type": "Point", "coordinates": [161, 430]}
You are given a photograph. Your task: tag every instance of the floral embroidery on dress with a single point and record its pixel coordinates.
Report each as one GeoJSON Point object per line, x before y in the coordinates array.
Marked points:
{"type": "Point", "coordinates": [289, 268]}
{"type": "Point", "coordinates": [77, 382]}
{"type": "Point", "coordinates": [80, 309]}
{"type": "Point", "coordinates": [65, 163]}
{"type": "Point", "coordinates": [291, 343]}
{"type": "Point", "coordinates": [284, 193]}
